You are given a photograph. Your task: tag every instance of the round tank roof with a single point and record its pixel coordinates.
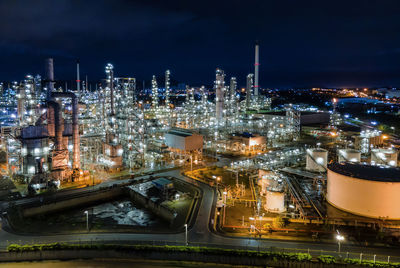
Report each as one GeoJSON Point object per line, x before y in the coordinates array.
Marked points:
{"type": "Point", "coordinates": [350, 151]}
{"type": "Point", "coordinates": [318, 150]}
{"type": "Point", "coordinates": [366, 172]}
{"type": "Point", "coordinates": [384, 150]}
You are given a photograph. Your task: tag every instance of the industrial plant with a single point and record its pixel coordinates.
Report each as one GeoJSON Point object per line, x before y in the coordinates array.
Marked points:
{"type": "Point", "coordinates": [274, 165]}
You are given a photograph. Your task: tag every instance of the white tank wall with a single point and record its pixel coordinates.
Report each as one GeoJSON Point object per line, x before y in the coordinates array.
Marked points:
{"type": "Point", "coordinates": [384, 157]}
{"type": "Point", "coordinates": [275, 201]}
{"type": "Point", "coordinates": [349, 155]}
{"type": "Point", "coordinates": [364, 197]}
{"type": "Point", "coordinates": [321, 156]}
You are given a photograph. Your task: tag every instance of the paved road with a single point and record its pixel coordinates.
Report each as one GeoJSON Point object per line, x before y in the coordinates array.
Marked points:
{"type": "Point", "coordinates": [199, 234]}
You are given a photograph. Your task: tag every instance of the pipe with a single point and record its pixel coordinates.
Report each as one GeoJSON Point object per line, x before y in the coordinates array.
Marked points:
{"type": "Point", "coordinates": [76, 161]}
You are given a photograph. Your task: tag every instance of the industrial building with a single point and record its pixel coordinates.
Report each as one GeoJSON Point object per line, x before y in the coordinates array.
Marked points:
{"type": "Point", "coordinates": [183, 142]}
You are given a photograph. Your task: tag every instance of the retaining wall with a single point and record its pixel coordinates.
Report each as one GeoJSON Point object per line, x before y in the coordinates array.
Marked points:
{"type": "Point", "coordinates": [73, 202]}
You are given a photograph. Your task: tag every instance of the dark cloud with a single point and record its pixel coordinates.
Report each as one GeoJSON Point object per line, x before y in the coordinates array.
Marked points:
{"type": "Point", "coordinates": [303, 43]}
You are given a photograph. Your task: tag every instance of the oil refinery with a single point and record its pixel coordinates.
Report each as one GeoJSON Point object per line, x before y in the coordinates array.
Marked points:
{"type": "Point", "coordinates": [275, 165]}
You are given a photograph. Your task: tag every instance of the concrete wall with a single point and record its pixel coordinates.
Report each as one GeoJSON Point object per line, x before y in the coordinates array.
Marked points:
{"type": "Point", "coordinates": [367, 198]}
{"type": "Point", "coordinates": [70, 203]}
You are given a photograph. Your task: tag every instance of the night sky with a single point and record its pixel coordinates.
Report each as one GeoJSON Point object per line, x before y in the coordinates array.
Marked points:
{"type": "Point", "coordinates": [302, 43]}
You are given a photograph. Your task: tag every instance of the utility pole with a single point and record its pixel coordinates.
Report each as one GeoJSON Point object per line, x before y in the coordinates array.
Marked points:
{"type": "Point", "coordinates": [186, 234]}
{"type": "Point", "coordinates": [87, 220]}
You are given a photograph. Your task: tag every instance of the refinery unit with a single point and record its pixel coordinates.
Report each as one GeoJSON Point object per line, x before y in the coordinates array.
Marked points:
{"type": "Point", "coordinates": [58, 134]}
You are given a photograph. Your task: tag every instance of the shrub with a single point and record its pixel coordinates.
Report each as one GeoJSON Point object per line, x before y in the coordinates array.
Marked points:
{"type": "Point", "coordinates": [326, 259]}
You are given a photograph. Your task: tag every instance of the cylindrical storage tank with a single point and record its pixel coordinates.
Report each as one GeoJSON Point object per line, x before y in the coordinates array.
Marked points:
{"type": "Point", "coordinates": [384, 157]}
{"type": "Point", "coordinates": [317, 159]}
{"type": "Point", "coordinates": [364, 190]}
{"type": "Point", "coordinates": [261, 174]}
{"type": "Point", "coordinates": [275, 201]}
{"type": "Point", "coordinates": [265, 183]}
{"type": "Point", "coordinates": [349, 155]}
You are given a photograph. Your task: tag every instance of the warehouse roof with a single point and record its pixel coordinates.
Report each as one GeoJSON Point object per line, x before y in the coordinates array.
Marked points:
{"type": "Point", "coordinates": [162, 183]}
{"type": "Point", "coordinates": [179, 133]}
{"type": "Point", "coordinates": [244, 135]}
{"type": "Point", "coordinates": [366, 172]}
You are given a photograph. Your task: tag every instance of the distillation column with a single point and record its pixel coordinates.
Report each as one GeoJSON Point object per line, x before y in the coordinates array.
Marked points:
{"type": "Point", "coordinates": [154, 91]}
{"type": "Point", "coordinates": [249, 86]}
{"type": "Point", "coordinates": [233, 87]}
{"type": "Point", "coordinates": [167, 85]}
{"type": "Point", "coordinates": [219, 95]}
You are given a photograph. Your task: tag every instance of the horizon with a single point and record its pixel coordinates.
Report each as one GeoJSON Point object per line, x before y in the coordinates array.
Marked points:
{"type": "Point", "coordinates": [308, 44]}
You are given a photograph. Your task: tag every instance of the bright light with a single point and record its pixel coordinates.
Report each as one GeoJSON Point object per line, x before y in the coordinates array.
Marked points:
{"type": "Point", "coordinates": [340, 237]}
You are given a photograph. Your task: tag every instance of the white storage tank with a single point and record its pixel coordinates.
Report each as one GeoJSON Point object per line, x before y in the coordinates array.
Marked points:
{"type": "Point", "coordinates": [265, 183]}
{"type": "Point", "coordinates": [317, 159]}
{"type": "Point", "coordinates": [384, 157]}
{"type": "Point", "coordinates": [365, 190]}
{"type": "Point", "coordinates": [275, 200]}
{"type": "Point", "coordinates": [261, 174]}
{"type": "Point", "coordinates": [349, 155]}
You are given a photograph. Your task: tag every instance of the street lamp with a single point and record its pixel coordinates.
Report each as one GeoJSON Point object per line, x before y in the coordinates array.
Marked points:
{"type": "Point", "coordinates": [186, 234]}
{"type": "Point", "coordinates": [223, 220]}
{"type": "Point", "coordinates": [339, 238]}
{"type": "Point", "coordinates": [87, 220]}
{"type": "Point", "coordinates": [218, 179]}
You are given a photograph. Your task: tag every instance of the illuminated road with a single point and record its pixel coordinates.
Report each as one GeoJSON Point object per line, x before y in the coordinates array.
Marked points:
{"type": "Point", "coordinates": [199, 234]}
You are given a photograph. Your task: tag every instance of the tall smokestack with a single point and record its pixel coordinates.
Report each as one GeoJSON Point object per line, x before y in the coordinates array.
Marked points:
{"type": "Point", "coordinates": [256, 65]}
{"type": "Point", "coordinates": [49, 73]}
{"type": "Point", "coordinates": [78, 81]}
